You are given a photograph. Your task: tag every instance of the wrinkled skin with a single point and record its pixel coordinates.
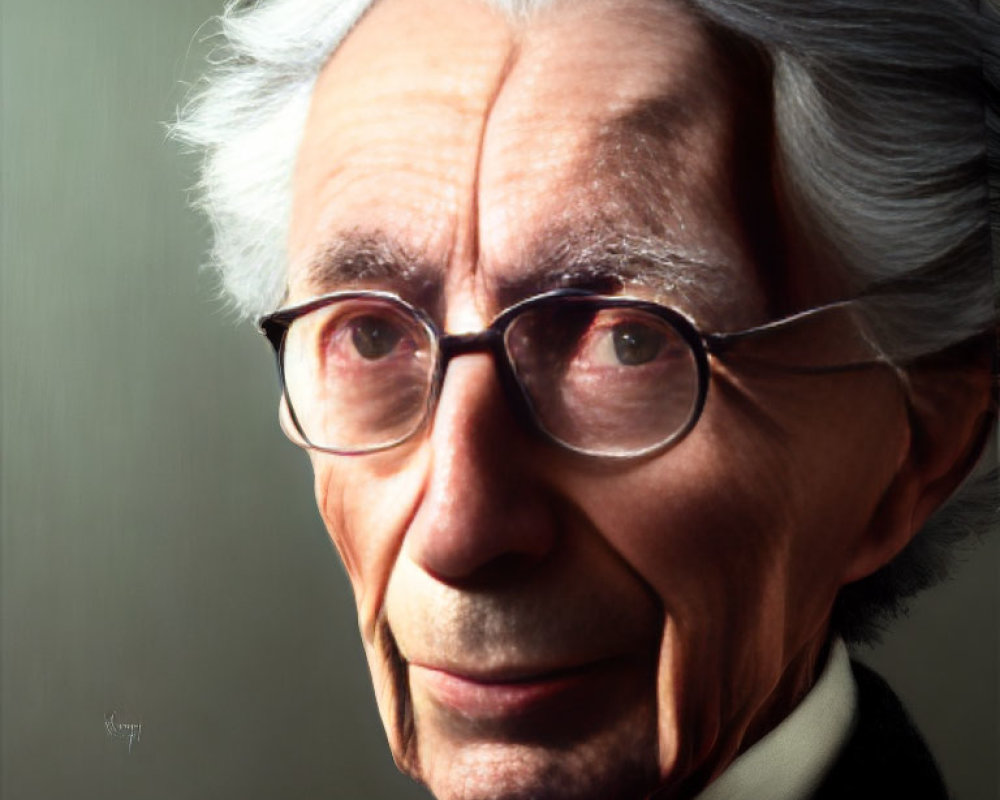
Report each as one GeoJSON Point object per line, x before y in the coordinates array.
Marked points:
{"type": "Point", "coordinates": [686, 595]}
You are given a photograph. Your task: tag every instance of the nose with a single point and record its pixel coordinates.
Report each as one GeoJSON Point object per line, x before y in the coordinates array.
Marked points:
{"type": "Point", "coordinates": [485, 506]}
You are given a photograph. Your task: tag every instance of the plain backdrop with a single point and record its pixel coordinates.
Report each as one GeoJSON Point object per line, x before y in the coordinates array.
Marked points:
{"type": "Point", "coordinates": [162, 560]}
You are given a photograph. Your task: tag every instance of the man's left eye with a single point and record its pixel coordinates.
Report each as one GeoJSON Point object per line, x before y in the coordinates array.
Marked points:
{"type": "Point", "coordinates": [635, 343]}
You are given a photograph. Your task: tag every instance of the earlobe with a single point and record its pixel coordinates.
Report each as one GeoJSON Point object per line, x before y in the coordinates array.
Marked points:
{"type": "Point", "coordinates": [952, 412]}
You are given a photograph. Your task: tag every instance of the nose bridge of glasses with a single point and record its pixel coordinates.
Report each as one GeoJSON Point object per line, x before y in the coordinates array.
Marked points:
{"type": "Point", "coordinates": [490, 340]}
{"type": "Point", "coordinates": [457, 344]}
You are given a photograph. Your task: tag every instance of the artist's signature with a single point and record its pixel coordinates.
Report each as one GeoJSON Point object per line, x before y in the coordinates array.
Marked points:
{"type": "Point", "coordinates": [123, 730]}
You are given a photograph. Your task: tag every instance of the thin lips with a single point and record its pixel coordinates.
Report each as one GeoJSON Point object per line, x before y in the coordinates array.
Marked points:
{"type": "Point", "coordinates": [518, 674]}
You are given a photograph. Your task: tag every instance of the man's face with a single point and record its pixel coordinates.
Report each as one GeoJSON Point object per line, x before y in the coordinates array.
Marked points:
{"type": "Point", "coordinates": [538, 623]}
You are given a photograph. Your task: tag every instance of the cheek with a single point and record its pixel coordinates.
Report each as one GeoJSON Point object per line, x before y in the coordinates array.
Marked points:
{"type": "Point", "coordinates": [707, 541]}
{"type": "Point", "coordinates": [744, 531]}
{"type": "Point", "coordinates": [366, 504]}
{"type": "Point", "coordinates": [696, 524]}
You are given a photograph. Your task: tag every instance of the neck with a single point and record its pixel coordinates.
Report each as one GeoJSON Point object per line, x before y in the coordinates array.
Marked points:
{"type": "Point", "coordinates": [799, 677]}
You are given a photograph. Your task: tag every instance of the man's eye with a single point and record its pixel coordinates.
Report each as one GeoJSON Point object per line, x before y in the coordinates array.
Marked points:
{"type": "Point", "coordinates": [374, 337]}
{"type": "Point", "coordinates": [635, 343]}
{"type": "Point", "coordinates": [616, 343]}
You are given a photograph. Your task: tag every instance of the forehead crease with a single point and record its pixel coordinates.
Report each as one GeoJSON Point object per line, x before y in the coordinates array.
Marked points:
{"type": "Point", "coordinates": [393, 136]}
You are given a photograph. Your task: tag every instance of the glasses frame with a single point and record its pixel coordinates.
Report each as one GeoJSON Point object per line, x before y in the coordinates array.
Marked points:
{"type": "Point", "coordinates": [492, 339]}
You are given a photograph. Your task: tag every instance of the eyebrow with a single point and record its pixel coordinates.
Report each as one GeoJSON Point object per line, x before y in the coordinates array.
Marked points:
{"type": "Point", "coordinates": [373, 258]}
{"type": "Point", "coordinates": [596, 257]}
{"type": "Point", "coordinates": [601, 258]}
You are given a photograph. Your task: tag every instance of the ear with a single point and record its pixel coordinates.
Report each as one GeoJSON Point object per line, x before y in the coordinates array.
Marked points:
{"type": "Point", "coordinates": [952, 409]}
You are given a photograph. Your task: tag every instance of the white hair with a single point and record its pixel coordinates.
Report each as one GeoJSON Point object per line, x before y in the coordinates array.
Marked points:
{"type": "Point", "coordinates": [888, 141]}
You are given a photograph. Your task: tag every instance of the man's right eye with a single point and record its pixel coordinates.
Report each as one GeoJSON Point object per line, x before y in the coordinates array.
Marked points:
{"type": "Point", "coordinates": [374, 337]}
{"type": "Point", "coordinates": [360, 338]}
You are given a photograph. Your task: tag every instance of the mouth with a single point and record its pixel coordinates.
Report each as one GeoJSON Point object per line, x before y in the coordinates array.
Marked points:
{"type": "Point", "coordinates": [511, 700]}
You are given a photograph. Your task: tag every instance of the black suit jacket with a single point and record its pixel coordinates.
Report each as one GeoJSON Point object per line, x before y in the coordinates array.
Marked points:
{"type": "Point", "coordinates": [885, 758]}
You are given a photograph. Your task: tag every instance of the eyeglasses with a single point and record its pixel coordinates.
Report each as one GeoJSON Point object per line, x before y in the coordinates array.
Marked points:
{"type": "Point", "coordinates": [603, 376]}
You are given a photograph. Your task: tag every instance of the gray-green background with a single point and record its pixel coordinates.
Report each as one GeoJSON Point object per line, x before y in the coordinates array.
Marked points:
{"type": "Point", "coordinates": [161, 557]}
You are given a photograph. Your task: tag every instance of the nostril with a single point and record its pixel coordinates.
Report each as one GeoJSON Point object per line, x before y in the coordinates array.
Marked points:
{"type": "Point", "coordinates": [504, 569]}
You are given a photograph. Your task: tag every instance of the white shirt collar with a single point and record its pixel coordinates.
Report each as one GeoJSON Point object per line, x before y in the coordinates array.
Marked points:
{"type": "Point", "coordinates": [791, 760]}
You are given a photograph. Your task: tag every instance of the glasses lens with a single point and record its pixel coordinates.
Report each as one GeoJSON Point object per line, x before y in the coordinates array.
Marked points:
{"type": "Point", "coordinates": [612, 381]}
{"type": "Point", "coordinates": [358, 373]}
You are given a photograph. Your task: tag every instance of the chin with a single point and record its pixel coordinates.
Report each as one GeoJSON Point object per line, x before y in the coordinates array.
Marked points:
{"type": "Point", "coordinates": [619, 766]}
{"type": "Point", "coordinates": [553, 748]}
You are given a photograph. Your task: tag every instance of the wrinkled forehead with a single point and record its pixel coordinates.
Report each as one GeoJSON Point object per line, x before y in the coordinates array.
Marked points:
{"type": "Point", "coordinates": [460, 142]}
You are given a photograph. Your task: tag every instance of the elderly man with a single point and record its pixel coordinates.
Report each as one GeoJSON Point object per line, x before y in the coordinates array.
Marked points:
{"type": "Point", "coordinates": [635, 344]}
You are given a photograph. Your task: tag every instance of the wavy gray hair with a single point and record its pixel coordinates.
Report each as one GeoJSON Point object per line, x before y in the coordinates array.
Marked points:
{"type": "Point", "coordinates": [888, 135]}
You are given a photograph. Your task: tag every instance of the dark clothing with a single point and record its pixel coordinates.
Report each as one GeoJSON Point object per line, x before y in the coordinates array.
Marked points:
{"type": "Point", "coordinates": [885, 757]}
